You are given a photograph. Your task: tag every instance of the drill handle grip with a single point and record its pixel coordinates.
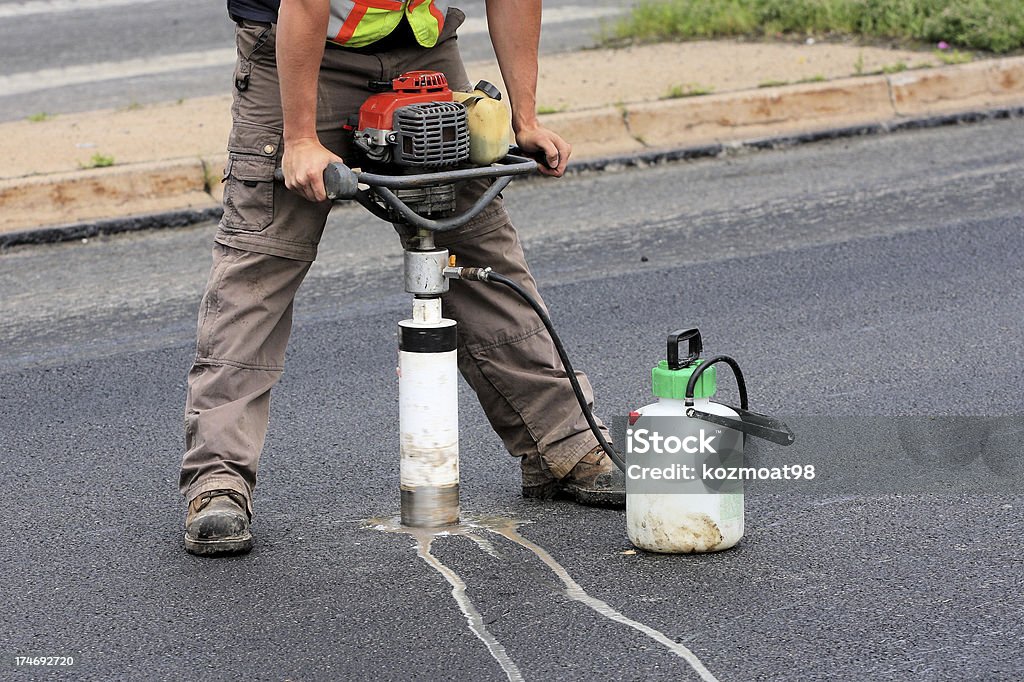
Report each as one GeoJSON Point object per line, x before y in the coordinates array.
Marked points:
{"type": "Point", "coordinates": [340, 181]}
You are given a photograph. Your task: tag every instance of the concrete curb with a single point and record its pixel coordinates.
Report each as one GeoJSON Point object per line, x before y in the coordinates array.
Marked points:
{"type": "Point", "coordinates": [791, 108]}
{"type": "Point", "coordinates": [104, 192]}
{"type": "Point", "coordinates": [173, 192]}
{"type": "Point", "coordinates": [639, 159]}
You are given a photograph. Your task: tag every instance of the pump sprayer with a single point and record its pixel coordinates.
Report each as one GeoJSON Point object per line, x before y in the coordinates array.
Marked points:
{"type": "Point", "coordinates": [675, 520]}
{"type": "Point", "coordinates": [687, 515]}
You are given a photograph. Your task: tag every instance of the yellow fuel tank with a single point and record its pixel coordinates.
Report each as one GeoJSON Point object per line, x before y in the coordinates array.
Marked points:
{"type": "Point", "coordinates": [490, 123]}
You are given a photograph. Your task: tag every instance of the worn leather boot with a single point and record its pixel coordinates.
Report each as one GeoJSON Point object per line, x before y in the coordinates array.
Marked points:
{"type": "Point", "coordinates": [595, 481]}
{"type": "Point", "coordinates": [217, 523]}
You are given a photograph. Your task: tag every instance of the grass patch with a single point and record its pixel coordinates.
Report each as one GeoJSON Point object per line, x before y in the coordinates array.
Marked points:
{"type": "Point", "coordinates": [687, 90]}
{"type": "Point", "coordinates": [771, 84]}
{"type": "Point", "coordinates": [816, 78]}
{"type": "Point", "coordinates": [858, 66]}
{"type": "Point", "coordinates": [989, 25]}
{"type": "Point", "coordinates": [98, 161]}
{"type": "Point", "coordinates": [545, 109]}
{"type": "Point", "coordinates": [39, 117]}
{"type": "Point", "coordinates": [898, 67]}
{"type": "Point", "coordinates": [953, 56]}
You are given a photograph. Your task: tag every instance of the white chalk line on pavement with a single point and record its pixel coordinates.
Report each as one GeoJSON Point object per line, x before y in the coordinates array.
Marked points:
{"type": "Point", "coordinates": [509, 529]}
{"type": "Point", "coordinates": [80, 74]}
{"type": "Point", "coordinates": [469, 610]}
{"type": "Point", "coordinates": [577, 593]}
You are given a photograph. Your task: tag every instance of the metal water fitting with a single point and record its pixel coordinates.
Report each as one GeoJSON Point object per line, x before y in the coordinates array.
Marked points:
{"type": "Point", "coordinates": [472, 274]}
{"type": "Point", "coordinates": [424, 272]}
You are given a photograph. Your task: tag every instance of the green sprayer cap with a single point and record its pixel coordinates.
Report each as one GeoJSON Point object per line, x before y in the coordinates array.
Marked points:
{"type": "Point", "coordinates": [671, 383]}
{"type": "Point", "coordinates": [669, 378]}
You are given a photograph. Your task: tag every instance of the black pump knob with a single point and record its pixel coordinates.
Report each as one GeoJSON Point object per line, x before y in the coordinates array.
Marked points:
{"type": "Point", "coordinates": [693, 352]}
{"type": "Point", "coordinates": [488, 89]}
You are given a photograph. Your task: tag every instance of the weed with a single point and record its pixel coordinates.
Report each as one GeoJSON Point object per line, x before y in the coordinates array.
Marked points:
{"type": "Point", "coordinates": [771, 84]}
{"type": "Point", "coordinates": [816, 78]}
{"type": "Point", "coordinates": [858, 66]}
{"type": "Point", "coordinates": [953, 56]}
{"type": "Point", "coordinates": [545, 109]}
{"type": "Point", "coordinates": [687, 90]}
{"type": "Point", "coordinates": [894, 68]}
{"type": "Point", "coordinates": [39, 117]}
{"type": "Point", "coordinates": [98, 161]}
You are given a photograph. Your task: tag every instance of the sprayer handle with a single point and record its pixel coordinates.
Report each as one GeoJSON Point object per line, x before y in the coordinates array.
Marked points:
{"type": "Point", "coordinates": [750, 423]}
{"type": "Point", "coordinates": [693, 353]}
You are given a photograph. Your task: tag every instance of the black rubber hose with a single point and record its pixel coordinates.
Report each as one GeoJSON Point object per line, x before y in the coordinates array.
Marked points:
{"type": "Point", "coordinates": [410, 216]}
{"type": "Point", "coordinates": [741, 384]}
{"type": "Point", "coordinates": [492, 276]}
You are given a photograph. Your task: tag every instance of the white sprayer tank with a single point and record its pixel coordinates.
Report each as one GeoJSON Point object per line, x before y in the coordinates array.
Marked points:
{"type": "Point", "coordinates": [684, 522]}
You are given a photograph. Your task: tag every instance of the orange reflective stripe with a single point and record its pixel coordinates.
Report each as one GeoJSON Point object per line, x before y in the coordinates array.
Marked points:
{"type": "Point", "coordinates": [439, 15]}
{"type": "Point", "coordinates": [427, 19]}
{"type": "Point", "coordinates": [362, 22]}
{"type": "Point", "coordinates": [350, 25]}
{"type": "Point", "coordinates": [434, 11]}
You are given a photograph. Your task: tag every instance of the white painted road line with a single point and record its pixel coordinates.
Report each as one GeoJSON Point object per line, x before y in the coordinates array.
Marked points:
{"type": "Point", "coordinates": [45, 79]}
{"type": "Point", "coordinates": [552, 15]}
{"type": "Point", "coordinates": [29, 7]}
{"type": "Point", "coordinates": [33, 81]}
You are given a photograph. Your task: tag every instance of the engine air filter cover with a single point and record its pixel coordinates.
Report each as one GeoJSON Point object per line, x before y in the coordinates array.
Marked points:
{"type": "Point", "coordinates": [431, 135]}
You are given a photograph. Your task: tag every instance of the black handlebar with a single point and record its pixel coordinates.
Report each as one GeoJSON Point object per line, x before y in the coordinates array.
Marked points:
{"type": "Point", "coordinates": [342, 184]}
{"type": "Point", "coordinates": [509, 166]}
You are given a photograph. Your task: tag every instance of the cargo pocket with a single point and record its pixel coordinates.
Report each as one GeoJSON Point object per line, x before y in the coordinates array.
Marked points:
{"type": "Point", "coordinates": [249, 178]}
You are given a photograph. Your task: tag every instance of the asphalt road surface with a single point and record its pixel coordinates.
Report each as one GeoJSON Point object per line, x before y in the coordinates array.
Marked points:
{"type": "Point", "coordinates": [61, 56]}
{"type": "Point", "coordinates": [864, 278]}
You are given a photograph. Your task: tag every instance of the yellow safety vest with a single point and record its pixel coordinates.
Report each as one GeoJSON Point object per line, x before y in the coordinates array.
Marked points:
{"type": "Point", "coordinates": [355, 23]}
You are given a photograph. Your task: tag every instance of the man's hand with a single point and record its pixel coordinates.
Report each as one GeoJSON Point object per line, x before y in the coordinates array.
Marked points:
{"type": "Point", "coordinates": [550, 150]}
{"type": "Point", "coordinates": [303, 164]}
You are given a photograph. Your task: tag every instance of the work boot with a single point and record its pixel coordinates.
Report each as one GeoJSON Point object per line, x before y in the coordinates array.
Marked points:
{"type": "Point", "coordinates": [217, 523]}
{"type": "Point", "coordinates": [595, 481]}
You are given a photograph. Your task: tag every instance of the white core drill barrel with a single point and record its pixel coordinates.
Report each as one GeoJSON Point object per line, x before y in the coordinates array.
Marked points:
{"type": "Point", "coordinates": [428, 417]}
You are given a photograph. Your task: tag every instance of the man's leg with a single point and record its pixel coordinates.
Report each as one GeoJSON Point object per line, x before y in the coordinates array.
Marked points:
{"type": "Point", "coordinates": [244, 322]}
{"type": "Point", "coordinates": [509, 357]}
{"type": "Point", "coordinates": [266, 242]}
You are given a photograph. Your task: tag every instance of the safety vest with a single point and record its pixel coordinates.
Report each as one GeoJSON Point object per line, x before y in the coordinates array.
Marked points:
{"type": "Point", "coordinates": [355, 23]}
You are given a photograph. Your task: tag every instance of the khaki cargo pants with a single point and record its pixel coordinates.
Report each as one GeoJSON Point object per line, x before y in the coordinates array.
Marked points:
{"type": "Point", "coordinates": [267, 241]}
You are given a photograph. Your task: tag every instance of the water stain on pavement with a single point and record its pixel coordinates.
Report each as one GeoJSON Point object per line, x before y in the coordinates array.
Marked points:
{"type": "Point", "coordinates": [474, 528]}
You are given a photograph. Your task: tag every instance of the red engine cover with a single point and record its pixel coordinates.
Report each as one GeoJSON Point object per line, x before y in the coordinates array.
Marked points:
{"type": "Point", "coordinates": [413, 87]}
